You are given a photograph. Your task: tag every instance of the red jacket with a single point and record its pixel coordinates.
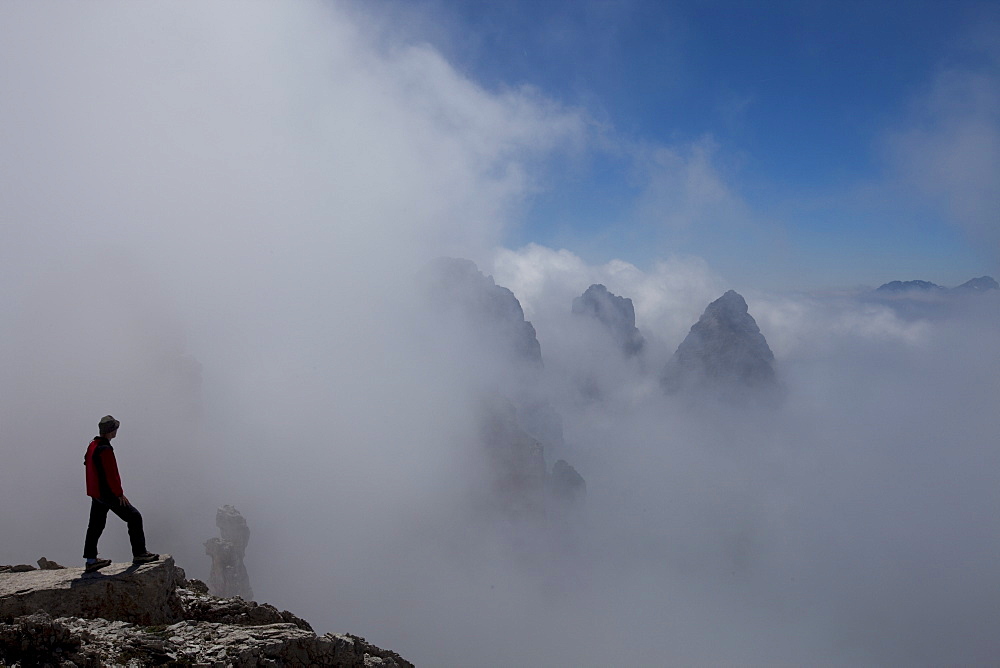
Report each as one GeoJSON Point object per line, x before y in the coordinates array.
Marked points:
{"type": "Point", "coordinates": [103, 480]}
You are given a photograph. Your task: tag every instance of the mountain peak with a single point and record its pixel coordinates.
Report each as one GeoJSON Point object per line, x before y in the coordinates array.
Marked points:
{"type": "Point", "coordinates": [457, 289]}
{"type": "Point", "coordinates": [724, 350]}
{"type": "Point", "coordinates": [616, 313]}
{"type": "Point", "coordinates": [980, 284]}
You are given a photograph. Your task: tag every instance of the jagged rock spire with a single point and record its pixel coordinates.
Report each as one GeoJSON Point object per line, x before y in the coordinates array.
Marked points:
{"type": "Point", "coordinates": [229, 574]}
{"type": "Point", "coordinates": [490, 312]}
{"type": "Point", "coordinates": [724, 350]}
{"type": "Point", "coordinates": [614, 312]}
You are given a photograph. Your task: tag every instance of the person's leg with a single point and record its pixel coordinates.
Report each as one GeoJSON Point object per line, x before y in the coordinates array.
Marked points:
{"type": "Point", "coordinates": [133, 518]}
{"type": "Point", "coordinates": [98, 519]}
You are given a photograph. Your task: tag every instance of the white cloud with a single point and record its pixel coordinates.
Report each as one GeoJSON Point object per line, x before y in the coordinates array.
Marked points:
{"type": "Point", "coordinates": [236, 129]}
{"type": "Point", "coordinates": [667, 299]}
{"type": "Point", "coordinates": [250, 185]}
{"type": "Point", "coordinates": [949, 149]}
{"type": "Point", "coordinates": [684, 187]}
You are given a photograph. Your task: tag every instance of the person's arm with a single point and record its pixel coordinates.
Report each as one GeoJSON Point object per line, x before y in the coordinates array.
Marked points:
{"type": "Point", "coordinates": [110, 467]}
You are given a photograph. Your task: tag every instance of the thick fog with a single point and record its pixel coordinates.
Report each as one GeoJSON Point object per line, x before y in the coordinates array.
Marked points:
{"type": "Point", "coordinates": [213, 223]}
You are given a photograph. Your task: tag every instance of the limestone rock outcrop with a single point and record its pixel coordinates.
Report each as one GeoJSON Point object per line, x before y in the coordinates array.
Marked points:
{"type": "Point", "coordinates": [616, 313]}
{"type": "Point", "coordinates": [724, 352]}
{"type": "Point", "coordinates": [152, 615]}
{"type": "Point", "coordinates": [17, 568]}
{"type": "Point", "coordinates": [228, 576]}
{"type": "Point", "coordinates": [47, 565]}
{"type": "Point", "coordinates": [140, 594]}
{"type": "Point", "coordinates": [201, 606]}
{"type": "Point", "coordinates": [40, 639]}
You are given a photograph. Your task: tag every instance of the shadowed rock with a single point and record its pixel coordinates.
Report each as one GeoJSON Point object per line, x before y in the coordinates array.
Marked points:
{"type": "Point", "coordinates": [616, 313]}
{"type": "Point", "coordinates": [229, 574]}
{"type": "Point", "coordinates": [724, 351]}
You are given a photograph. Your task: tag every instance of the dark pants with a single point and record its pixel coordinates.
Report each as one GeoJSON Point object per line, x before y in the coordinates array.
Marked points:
{"type": "Point", "coordinates": [99, 518]}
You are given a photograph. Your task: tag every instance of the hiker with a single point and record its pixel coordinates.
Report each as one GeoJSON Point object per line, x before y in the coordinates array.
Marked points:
{"type": "Point", "coordinates": [104, 486]}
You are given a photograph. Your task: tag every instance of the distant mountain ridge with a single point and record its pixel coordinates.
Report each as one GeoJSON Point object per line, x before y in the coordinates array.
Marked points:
{"type": "Point", "coordinates": [981, 284]}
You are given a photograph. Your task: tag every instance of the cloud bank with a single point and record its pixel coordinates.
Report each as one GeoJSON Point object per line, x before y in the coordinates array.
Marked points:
{"type": "Point", "coordinates": [948, 150]}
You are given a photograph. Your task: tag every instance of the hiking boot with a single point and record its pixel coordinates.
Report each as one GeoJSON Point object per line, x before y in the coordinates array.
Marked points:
{"type": "Point", "coordinates": [145, 558]}
{"type": "Point", "coordinates": [96, 566]}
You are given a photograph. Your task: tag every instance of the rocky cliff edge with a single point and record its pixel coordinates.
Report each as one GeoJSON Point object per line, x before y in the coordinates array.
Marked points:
{"type": "Point", "coordinates": [151, 614]}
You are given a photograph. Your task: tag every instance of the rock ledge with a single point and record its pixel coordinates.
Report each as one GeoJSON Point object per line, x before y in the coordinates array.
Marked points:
{"type": "Point", "coordinates": [150, 615]}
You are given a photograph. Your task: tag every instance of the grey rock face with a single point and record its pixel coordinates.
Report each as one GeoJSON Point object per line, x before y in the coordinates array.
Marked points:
{"type": "Point", "coordinates": [39, 639]}
{"type": "Point", "coordinates": [47, 565]}
{"type": "Point", "coordinates": [229, 574]}
{"type": "Point", "coordinates": [490, 312]}
{"type": "Point", "coordinates": [19, 568]}
{"type": "Point", "coordinates": [614, 312]}
{"type": "Point", "coordinates": [517, 460]}
{"type": "Point", "coordinates": [141, 594]}
{"type": "Point", "coordinates": [200, 606]}
{"type": "Point", "coordinates": [118, 617]}
{"type": "Point", "coordinates": [724, 350]}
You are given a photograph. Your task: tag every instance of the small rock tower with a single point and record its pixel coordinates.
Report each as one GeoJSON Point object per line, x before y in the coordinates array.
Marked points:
{"type": "Point", "coordinates": [229, 575]}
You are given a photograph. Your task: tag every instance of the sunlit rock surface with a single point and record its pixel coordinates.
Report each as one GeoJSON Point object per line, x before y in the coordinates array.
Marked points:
{"type": "Point", "coordinates": [724, 351]}
{"type": "Point", "coordinates": [143, 594]}
{"type": "Point", "coordinates": [616, 313]}
{"type": "Point", "coordinates": [228, 576]}
{"type": "Point", "coordinates": [152, 615]}
{"type": "Point", "coordinates": [47, 565]}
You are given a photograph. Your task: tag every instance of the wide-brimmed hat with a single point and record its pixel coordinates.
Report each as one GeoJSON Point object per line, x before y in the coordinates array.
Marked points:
{"type": "Point", "coordinates": [108, 424]}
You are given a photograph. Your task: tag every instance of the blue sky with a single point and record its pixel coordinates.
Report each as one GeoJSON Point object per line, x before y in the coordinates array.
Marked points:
{"type": "Point", "coordinates": [820, 124]}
